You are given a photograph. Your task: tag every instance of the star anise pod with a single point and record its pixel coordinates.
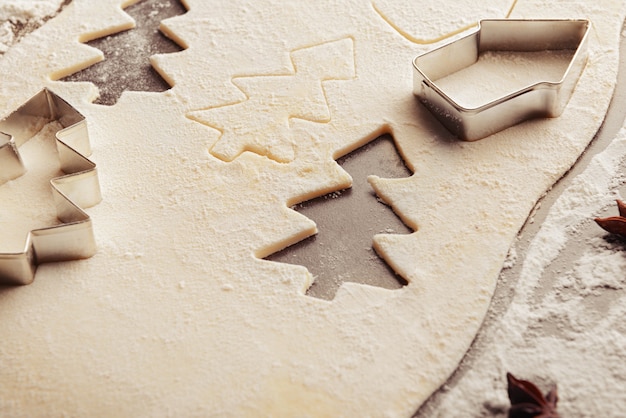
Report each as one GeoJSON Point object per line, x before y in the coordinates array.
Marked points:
{"type": "Point", "coordinates": [615, 224]}
{"type": "Point", "coordinates": [527, 400]}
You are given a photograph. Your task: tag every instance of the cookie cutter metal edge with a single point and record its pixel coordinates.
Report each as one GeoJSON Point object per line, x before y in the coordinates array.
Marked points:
{"type": "Point", "coordinates": [541, 99]}
{"type": "Point", "coordinates": [78, 187]}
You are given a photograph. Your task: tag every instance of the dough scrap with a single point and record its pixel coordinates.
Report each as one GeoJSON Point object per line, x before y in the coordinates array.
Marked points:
{"type": "Point", "coordinates": [178, 315]}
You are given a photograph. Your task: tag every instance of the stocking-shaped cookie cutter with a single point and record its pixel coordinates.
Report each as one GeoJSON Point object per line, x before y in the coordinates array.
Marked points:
{"type": "Point", "coordinates": [79, 187]}
{"type": "Point", "coordinates": [541, 99]}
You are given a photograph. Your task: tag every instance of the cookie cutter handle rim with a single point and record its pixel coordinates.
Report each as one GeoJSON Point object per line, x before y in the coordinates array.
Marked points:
{"type": "Point", "coordinates": [540, 99]}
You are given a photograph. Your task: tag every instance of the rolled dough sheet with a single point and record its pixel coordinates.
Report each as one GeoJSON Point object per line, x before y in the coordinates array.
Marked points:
{"type": "Point", "coordinates": [177, 314]}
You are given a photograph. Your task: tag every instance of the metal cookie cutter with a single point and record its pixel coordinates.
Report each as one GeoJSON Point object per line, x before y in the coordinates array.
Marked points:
{"type": "Point", "coordinates": [542, 99]}
{"type": "Point", "coordinates": [79, 187]}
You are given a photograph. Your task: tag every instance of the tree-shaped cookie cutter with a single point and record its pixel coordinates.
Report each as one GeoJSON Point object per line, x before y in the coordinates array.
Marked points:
{"type": "Point", "coordinates": [79, 187]}
{"type": "Point", "coordinates": [541, 99]}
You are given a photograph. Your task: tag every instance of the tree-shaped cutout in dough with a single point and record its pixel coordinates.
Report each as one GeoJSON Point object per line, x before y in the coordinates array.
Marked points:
{"type": "Point", "coordinates": [271, 101]}
{"type": "Point", "coordinates": [347, 222]}
{"type": "Point", "coordinates": [126, 65]}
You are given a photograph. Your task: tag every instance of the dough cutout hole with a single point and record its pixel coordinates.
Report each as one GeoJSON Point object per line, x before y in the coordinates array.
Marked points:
{"type": "Point", "coordinates": [127, 65]}
{"type": "Point", "coordinates": [347, 221]}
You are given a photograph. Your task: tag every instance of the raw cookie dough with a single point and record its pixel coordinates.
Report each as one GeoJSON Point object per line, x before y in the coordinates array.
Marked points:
{"type": "Point", "coordinates": [177, 314]}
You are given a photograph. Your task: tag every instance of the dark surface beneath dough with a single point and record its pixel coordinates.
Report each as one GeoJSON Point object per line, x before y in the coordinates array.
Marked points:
{"type": "Point", "coordinates": [347, 221]}
{"type": "Point", "coordinates": [126, 64]}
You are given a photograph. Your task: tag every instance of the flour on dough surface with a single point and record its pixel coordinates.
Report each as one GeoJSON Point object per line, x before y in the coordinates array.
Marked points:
{"type": "Point", "coordinates": [19, 17]}
{"type": "Point", "coordinates": [118, 334]}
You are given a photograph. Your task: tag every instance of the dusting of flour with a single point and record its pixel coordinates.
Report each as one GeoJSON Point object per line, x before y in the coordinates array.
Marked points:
{"type": "Point", "coordinates": [565, 323]}
{"type": "Point", "coordinates": [18, 17]}
{"type": "Point", "coordinates": [178, 315]}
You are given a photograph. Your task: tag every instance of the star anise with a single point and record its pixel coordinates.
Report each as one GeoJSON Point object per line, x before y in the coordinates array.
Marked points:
{"type": "Point", "coordinates": [615, 224]}
{"type": "Point", "coordinates": [527, 400]}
